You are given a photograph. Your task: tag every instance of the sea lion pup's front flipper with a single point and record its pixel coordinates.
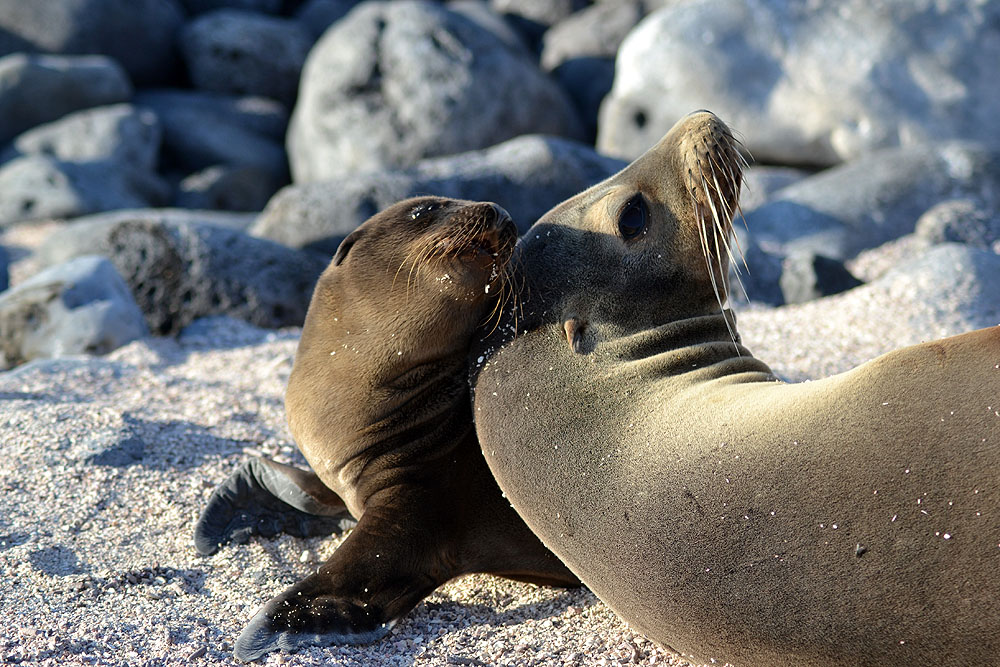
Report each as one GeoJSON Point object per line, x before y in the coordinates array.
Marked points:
{"type": "Point", "coordinates": [264, 497]}
{"type": "Point", "coordinates": [380, 572]}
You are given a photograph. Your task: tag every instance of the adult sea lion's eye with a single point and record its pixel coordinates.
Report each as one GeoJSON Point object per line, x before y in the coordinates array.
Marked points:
{"type": "Point", "coordinates": [632, 219]}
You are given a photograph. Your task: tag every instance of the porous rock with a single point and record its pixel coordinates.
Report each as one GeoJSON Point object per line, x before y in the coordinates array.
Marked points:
{"type": "Point", "coordinates": [36, 89]}
{"type": "Point", "coordinates": [36, 187]}
{"type": "Point", "coordinates": [119, 133]}
{"type": "Point", "coordinates": [245, 53]}
{"type": "Point", "coordinates": [80, 307]}
{"type": "Point", "coordinates": [810, 82]}
{"type": "Point", "coordinates": [180, 268]}
{"type": "Point", "coordinates": [527, 176]}
{"type": "Point", "coordinates": [392, 83]}
{"type": "Point", "coordinates": [139, 34]}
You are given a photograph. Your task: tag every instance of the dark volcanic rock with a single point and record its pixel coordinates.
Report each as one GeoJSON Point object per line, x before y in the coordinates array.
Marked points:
{"type": "Point", "coordinates": [4, 269]}
{"type": "Point", "coordinates": [139, 34]}
{"type": "Point", "coordinates": [527, 176]}
{"type": "Point", "coordinates": [318, 15]}
{"type": "Point", "coordinates": [245, 53]}
{"type": "Point", "coordinates": [806, 276]}
{"type": "Point", "coordinates": [393, 83]}
{"type": "Point", "coordinates": [37, 89]}
{"type": "Point", "coordinates": [79, 307]}
{"type": "Point", "coordinates": [202, 130]}
{"type": "Point", "coordinates": [180, 269]}
{"type": "Point", "coordinates": [202, 6]}
{"type": "Point", "coordinates": [226, 188]}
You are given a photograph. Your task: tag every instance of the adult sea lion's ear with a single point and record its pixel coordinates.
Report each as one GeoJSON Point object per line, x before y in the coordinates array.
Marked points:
{"type": "Point", "coordinates": [345, 247]}
{"type": "Point", "coordinates": [574, 328]}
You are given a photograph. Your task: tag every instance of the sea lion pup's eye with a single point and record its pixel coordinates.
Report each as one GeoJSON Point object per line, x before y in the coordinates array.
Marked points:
{"type": "Point", "coordinates": [424, 209]}
{"type": "Point", "coordinates": [632, 219]}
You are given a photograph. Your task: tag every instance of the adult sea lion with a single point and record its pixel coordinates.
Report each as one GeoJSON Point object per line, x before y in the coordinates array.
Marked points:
{"type": "Point", "coordinates": [378, 402]}
{"type": "Point", "coordinates": [727, 515]}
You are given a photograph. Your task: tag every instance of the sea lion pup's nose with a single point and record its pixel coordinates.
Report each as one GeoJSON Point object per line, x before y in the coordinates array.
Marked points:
{"type": "Point", "coordinates": [502, 216]}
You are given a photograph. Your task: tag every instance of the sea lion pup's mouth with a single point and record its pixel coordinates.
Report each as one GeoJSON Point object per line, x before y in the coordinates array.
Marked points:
{"type": "Point", "coordinates": [483, 233]}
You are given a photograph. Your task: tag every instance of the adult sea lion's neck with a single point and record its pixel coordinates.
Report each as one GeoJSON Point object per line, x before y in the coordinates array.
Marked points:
{"type": "Point", "coordinates": [707, 344]}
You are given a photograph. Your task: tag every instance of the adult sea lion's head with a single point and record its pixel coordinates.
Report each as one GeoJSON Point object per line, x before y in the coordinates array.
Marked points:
{"type": "Point", "coordinates": [647, 246]}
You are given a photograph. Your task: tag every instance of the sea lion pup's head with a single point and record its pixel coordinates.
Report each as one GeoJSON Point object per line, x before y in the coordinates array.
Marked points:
{"type": "Point", "coordinates": [647, 246]}
{"type": "Point", "coordinates": [426, 264]}
{"type": "Point", "coordinates": [411, 284]}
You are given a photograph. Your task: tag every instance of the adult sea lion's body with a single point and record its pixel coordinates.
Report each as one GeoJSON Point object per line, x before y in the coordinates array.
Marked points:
{"type": "Point", "coordinates": [378, 403]}
{"type": "Point", "coordinates": [726, 515]}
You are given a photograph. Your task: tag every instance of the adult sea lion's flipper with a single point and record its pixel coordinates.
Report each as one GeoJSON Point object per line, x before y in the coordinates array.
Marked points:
{"type": "Point", "coordinates": [263, 497]}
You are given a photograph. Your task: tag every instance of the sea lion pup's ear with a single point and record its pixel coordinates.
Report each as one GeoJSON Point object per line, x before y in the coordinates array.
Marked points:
{"type": "Point", "coordinates": [345, 246]}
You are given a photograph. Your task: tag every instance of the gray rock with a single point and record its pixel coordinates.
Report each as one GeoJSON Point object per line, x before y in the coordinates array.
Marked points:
{"type": "Point", "coordinates": [948, 290]}
{"type": "Point", "coordinates": [527, 176]}
{"type": "Point", "coordinates": [202, 130]}
{"type": "Point", "coordinates": [258, 115]}
{"type": "Point", "coordinates": [4, 269]}
{"type": "Point", "coordinates": [806, 276]}
{"type": "Point", "coordinates": [318, 15]}
{"type": "Point", "coordinates": [181, 269]}
{"type": "Point", "coordinates": [594, 32]}
{"type": "Point", "coordinates": [37, 89]}
{"type": "Point", "coordinates": [870, 265]}
{"type": "Point", "coordinates": [36, 187]}
{"type": "Point", "coordinates": [756, 274]}
{"type": "Point", "coordinates": [392, 83]}
{"type": "Point", "coordinates": [531, 18]}
{"type": "Point", "coordinates": [962, 221]}
{"type": "Point", "coordinates": [810, 83]}
{"type": "Point", "coordinates": [956, 283]}
{"type": "Point", "coordinates": [227, 189]}
{"type": "Point", "coordinates": [587, 82]}
{"type": "Point", "coordinates": [80, 307]}
{"type": "Point", "coordinates": [480, 13]}
{"type": "Point", "coordinates": [544, 12]}
{"type": "Point", "coordinates": [872, 200]}
{"type": "Point", "coordinates": [244, 53]}
{"type": "Point", "coordinates": [761, 182]}
{"type": "Point", "coordinates": [139, 34]}
{"type": "Point", "coordinates": [119, 133]}
{"type": "Point", "coordinates": [201, 6]}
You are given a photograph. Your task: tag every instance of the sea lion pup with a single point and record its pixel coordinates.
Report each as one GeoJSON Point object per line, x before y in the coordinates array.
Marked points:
{"type": "Point", "coordinates": [726, 515]}
{"type": "Point", "coordinates": [378, 402]}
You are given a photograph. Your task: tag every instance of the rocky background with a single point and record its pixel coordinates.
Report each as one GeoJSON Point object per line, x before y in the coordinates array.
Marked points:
{"type": "Point", "coordinates": [174, 174]}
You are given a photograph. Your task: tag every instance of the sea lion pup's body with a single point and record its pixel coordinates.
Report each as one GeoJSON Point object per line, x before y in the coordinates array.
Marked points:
{"type": "Point", "coordinates": [726, 515]}
{"type": "Point", "coordinates": [378, 402]}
